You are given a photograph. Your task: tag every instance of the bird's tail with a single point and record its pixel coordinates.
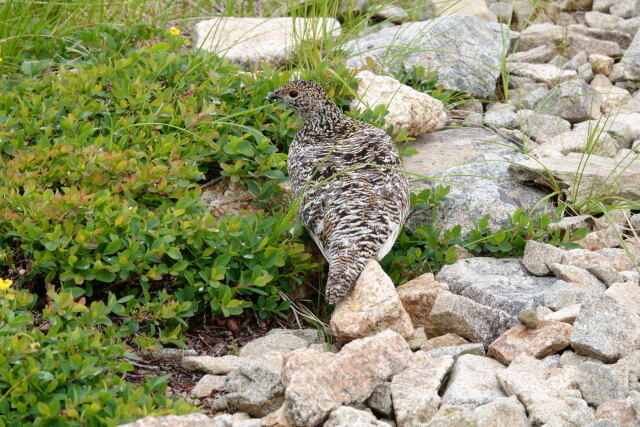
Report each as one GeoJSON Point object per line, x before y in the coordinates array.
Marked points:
{"type": "Point", "coordinates": [343, 273]}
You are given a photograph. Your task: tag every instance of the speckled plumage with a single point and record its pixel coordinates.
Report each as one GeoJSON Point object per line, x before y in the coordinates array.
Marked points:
{"type": "Point", "coordinates": [356, 215]}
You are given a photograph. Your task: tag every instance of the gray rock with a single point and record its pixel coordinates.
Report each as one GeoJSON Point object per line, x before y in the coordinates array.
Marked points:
{"type": "Point", "coordinates": [467, 51]}
{"type": "Point", "coordinates": [574, 101]}
{"type": "Point", "coordinates": [635, 221]}
{"type": "Point", "coordinates": [585, 72]}
{"type": "Point", "coordinates": [631, 26]}
{"type": "Point", "coordinates": [577, 141]}
{"type": "Point", "coordinates": [603, 5]}
{"type": "Point", "coordinates": [415, 390]}
{"type": "Point", "coordinates": [501, 115]}
{"type": "Point", "coordinates": [452, 415]}
{"type": "Point", "coordinates": [622, 39]}
{"type": "Point", "coordinates": [537, 55]}
{"type": "Point", "coordinates": [552, 361]}
{"type": "Point", "coordinates": [605, 330]}
{"type": "Point", "coordinates": [219, 404]}
{"type": "Point", "coordinates": [419, 337]}
{"type": "Point", "coordinates": [212, 365]}
{"type": "Point", "coordinates": [634, 399]}
{"type": "Point", "coordinates": [393, 13]}
{"type": "Point", "coordinates": [539, 256]}
{"type": "Point", "coordinates": [632, 54]}
{"type": "Point", "coordinates": [545, 34]}
{"type": "Point", "coordinates": [189, 420]}
{"type": "Point", "coordinates": [380, 400]}
{"type": "Point", "coordinates": [435, 150]}
{"type": "Point", "coordinates": [578, 277]}
{"type": "Point", "coordinates": [346, 416]}
{"type": "Point", "coordinates": [598, 174]}
{"type": "Point", "coordinates": [519, 84]}
{"type": "Point", "coordinates": [625, 8]}
{"type": "Point", "coordinates": [569, 358]}
{"type": "Point", "coordinates": [573, 223]}
{"type": "Point", "coordinates": [171, 354]}
{"type": "Point", "coordinates": [458, 350]}
{"type": "Point", "coordinates": [599, 383]}
{"type": "Point", "coordinates": [603, 21]}
{"type": "Point", "coordinates": [462, 316]}
{"type": "Point", "coordinates": [310, 335]}
{"type": "Point", "coordinates": [255, 389]}
{"type": "Point", "coordinates": [479, 187]}
{"type": "Point", "coordinates": [248, 423]}
{"type": "Point", "coordinates": [503, 11]}
{"type": "Point", "coordinates": [577, 42]}
{"type": "Point", "coordinates": [526, 98]}
{"type": "Point", "coordinates": [562, 294]}
{"type": "Point", "coordinates": [503, 284]}
{"type": "Point", "coordinates": [549, 395]}
{"type": "Point", "coordinates": [280, 342]}
{"type": "Point", "coordinates": [473, 382]}
{"type": "Point", "coordinates": [603, 423]}
{"type": "Point", "coordinates": [318, 383]}
{"type": "Point", "coordinates": [545, 73]}
{"type": "Point", "coordinates": [501, 412]}
{"type": "Point", "coordinates": [208, 384]}
{"type": "Point", "coordinates": [538, 125]}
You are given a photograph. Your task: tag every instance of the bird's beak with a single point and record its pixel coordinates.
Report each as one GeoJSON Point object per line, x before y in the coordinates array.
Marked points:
{"type": "Point", "coordinates": [272, 96]}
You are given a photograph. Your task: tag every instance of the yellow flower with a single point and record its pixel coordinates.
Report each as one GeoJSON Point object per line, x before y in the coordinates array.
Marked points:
{"type": "Point", "coordinates": [34, 345]}
{"type": "Point", "coordinates": [174, 31]}
{"type": "Point", "coordinates": [0, 59]}
{"type": "Point", "coordinates": [5, 284]}
{"type": "Point", "coordinates": [187, 42]}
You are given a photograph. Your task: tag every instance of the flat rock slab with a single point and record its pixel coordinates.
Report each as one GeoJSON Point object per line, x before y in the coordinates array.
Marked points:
{"type": "Point", "coordinates": [545, 339]}
{"type": "Point", "coordinates": [473, 382]}
{"type": "Point", "coordinates": [463, 50]}
{"type": "Point", "coordinates": [212, 365]}
{"type": "Point", "coordinates": [482, 186]}
{"type": "Point", "coordinates": [438, 151]}
{"type": "Point", "coordinates": [415, 391]}
{"type": "Point", "coordinates": [605, 330]}
{"type": "Point", "coordinates": [599, 383]}
{"type": "Point", "coordinates": [280, 342]}
{"type": "Point", "coordinates": [249, 41]}
{"type": "Point", "coordinates": [545, 73]}
{"type": "Point", "coordinates": [599, 175]}
{"type": "Point", "coordinates": [255, 388]}
{"type": "Point", "coordinates": [475, 322]}
{"type": "Point", "coordinates": [503, 284]}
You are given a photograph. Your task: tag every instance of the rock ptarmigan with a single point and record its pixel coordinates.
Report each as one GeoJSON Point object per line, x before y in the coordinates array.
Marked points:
{"type": "Point", "coordinates": [354, 196]}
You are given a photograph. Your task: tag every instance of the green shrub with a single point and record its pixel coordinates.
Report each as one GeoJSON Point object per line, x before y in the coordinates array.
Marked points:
{"type": "Point", "coordinates": [100, 184]}
{"type": "Point", "coordinates": [68, 368]}
{"type": "Point", "coordinates": [424, 249]}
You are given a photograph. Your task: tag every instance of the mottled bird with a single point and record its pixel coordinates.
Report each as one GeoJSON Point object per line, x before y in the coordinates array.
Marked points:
{"type": "Point", "coordinates": [354, 196]}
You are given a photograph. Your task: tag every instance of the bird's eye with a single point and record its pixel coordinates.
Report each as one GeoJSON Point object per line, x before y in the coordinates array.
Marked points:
{"type": "Point", "coordinates": [293, 93]}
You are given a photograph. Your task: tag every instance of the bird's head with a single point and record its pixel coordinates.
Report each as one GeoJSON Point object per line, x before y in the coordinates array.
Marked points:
{"type": "Point", "coordinates": [303, 96]}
